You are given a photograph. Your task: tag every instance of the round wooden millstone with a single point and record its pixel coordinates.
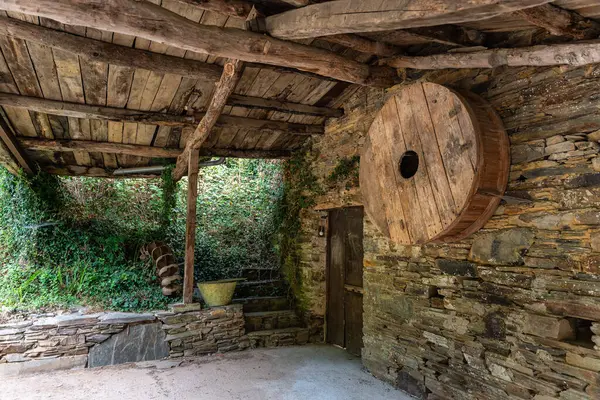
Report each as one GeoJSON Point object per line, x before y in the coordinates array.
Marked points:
{"type": "Point", "coordinates": [434, 165]}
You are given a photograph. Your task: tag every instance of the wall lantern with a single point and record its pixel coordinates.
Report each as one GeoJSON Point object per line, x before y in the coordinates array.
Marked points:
{"type": "Point", "coordinates": [323, 225]}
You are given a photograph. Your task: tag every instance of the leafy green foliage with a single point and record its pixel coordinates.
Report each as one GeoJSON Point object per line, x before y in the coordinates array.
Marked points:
{"type": "Point", "coordinates": [300, 190]}
{"type": "Point", "coordinates": [345, 170]}
{"type": "Point", "coordinates": [236, 219]}
{"type": "Point", "coordinates": [66, 241]}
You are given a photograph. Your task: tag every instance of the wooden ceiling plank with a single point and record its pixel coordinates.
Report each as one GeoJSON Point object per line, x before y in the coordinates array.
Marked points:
{"type": "Point", "coordinates": [573, 54]}
{"type": "Point", "coordinates": [155, 23]}
{"type": "Point", "coordinates": [292, 108]}
{"type": "Point", "coordinates": [354, 16]}
{"type": "Point", "coordinates": [561, 22]}
{"type": "Point", "coordinates": [109, 53]}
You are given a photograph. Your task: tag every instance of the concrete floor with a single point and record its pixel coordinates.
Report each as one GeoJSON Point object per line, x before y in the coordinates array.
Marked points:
{"type": "Point", "coordinates": [287, 373]}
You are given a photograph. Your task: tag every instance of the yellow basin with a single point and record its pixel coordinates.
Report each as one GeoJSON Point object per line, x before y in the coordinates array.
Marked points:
{"type": "Point", "coordinates": [218, 293]}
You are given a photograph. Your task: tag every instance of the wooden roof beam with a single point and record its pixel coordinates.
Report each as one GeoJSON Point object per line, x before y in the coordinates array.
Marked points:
{"type": "Point", "coordinates": [76, 110]}
{"type": "Point", "coordinates": [355, 16]}
{"type": "Point", "coordinates": [574, 54]}
{"type": "Point", "coordinates": [152, 22]}
{"type": "Point", "coordinates": [69, 145]}
{"type": "Point", "coordinates": [97, 50]}
{"type": "Point", "coordinates": [232, 72]}
{"type": "Point", "coordinates": [10, 143]}
{"type": "Point", "coordinates": [561, 22]}
{"type": "Point", "coordinates": [284, 106]}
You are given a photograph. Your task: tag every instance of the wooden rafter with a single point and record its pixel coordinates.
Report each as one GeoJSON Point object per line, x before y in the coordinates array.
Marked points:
{"type": "Point", "coordinates": [97, 50]}
{"type": "Point", "coordinates": [278, 105]}
{"type": "Point", "coordinates": [232, 71]}
{"type": "Point", "coordinates": [11, 144]}
{"type": "Point", "coordinates": [561, 22]}
{"type": "Point", "coordinates": [353, 16]}
{"type": "Point", "coordinates": [152, 22]}
{"type": "Point", "coordinates": [557, 54]}
{"type": "Point", "coordinates": [69, 145]}
{"type": "Point", "coordinates": [55, 107]}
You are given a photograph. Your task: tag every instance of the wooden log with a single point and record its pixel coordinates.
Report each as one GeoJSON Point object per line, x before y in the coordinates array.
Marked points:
{"type": "Point", "coordinates": [353, 16]}
{"type": "Point", "coordinates": [10, 143]}
{"type": "Point", "coordinates": [277, 105]}
{"type": "Point", "coordinates": [7, 160]}
{"type": "Point", "coordinates": [232, 71]}
{"type": "Point", "coordinates": [574, 54]}
{"type": "Point", "coordinates": [190, 225]}
{"type": "Point", "coordinates": [85, 111]}
{"type": "Point", "coordinates": [231, 8]}
{"type": "Point", "coordinates": [69, 145]}
{"type": "Point", "coordinates": [152, 22]}
{"type": "Point", "coordinates": [561, 22]}
{"type": "Point", "coordinates": [100, 51]}
{"type": "Point", "coordinates": [363, 45]}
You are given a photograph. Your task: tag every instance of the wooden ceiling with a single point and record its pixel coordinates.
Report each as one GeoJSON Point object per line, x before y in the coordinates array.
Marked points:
{"type": "Point", "coordinates": [79, 100]}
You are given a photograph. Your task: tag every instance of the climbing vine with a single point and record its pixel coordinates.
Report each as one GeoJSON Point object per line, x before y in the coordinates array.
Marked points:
{"type": "Point", "coordinates": [301, 188]}
{"type": "Point", "coordinates": [345, 170]}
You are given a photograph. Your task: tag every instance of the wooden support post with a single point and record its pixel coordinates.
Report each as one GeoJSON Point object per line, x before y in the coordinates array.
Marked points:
{"type": "Point", "coordinates": [190, 227]}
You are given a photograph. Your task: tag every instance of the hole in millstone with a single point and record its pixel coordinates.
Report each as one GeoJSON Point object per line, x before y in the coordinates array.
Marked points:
{"type": "Point", "coordinates": [409, 164]}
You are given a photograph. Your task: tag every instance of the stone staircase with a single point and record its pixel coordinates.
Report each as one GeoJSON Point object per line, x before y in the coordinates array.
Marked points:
{"type": "Point", "coordinates": [269, 318]}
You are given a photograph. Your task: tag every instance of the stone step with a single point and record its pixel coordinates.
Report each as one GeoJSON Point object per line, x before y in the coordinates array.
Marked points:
{"type": "Point", "coordinates": [267, 287]}
{"type": "Point", "coordinates": [278, 337]}
{"type": "Point", "coordinates": [269, 320]}
{"type": "Point", "coordinates": [263, 303]}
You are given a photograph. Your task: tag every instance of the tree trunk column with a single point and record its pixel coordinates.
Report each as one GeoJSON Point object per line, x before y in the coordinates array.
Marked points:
{"type": "Point", "coordinates": [190, 227]}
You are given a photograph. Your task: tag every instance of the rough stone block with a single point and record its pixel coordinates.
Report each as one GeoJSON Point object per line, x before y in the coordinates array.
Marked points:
{"type": "Point", "coordinates": [503, 247]}
{"type": "Point", "coordinates": [125, 318]}
{"type": "Point", "coordinates": [457, 267]}
{"type": "Point", "coordinates": [593, 364]}
{"type": "Point", "coordinates": [138, 343]}
{"type": "Point", "coordinates": [543, 326]}
{"type": "Point", "coordinates": [560, 147]}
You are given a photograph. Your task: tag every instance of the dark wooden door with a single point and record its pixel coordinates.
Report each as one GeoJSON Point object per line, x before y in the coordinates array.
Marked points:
{"type": "Point", "coordinates": [345, 278]}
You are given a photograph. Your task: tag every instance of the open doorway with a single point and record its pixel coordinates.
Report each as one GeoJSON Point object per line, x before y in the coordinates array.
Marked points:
{"type": "Point", "coordinates": [345, 279]}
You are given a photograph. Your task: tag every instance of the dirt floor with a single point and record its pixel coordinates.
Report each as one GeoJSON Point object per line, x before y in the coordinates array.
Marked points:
{"type": "Point", "coordinates": [287, 373]}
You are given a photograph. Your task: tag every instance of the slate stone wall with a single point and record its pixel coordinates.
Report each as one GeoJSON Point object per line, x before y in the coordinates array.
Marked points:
{"type": "Point", "coordinates": [513, 311]}
{"type": "Point", "coordinates": [76, 340]}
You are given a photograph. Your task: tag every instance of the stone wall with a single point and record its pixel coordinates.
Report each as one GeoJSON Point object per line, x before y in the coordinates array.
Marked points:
{"type": "Point", "coordinates": [514, 311]}
{"type": "Point", "coordinates": [79, 340]}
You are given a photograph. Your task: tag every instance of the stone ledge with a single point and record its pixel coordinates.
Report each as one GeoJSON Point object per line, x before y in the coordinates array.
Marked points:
{"type": "Point", "coordinates": [44, 365]}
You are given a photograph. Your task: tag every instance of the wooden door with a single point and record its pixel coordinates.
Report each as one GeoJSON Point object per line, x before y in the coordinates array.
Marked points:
{"type": "Point", "coordinates": [345, 278]}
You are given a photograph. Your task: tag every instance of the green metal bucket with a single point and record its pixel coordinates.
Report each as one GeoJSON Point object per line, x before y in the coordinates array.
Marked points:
{"type": "Point", "coordinates": [218, 293]}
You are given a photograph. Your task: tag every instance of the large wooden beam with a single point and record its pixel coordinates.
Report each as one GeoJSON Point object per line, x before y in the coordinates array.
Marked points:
{"type": "Point", "coordinates": [561, 22]}
{"type": "Point", "coordinates": [278, 105]}
{"type": "Point", "coordinates": [75, 110]}
{"type": "Point", "coordinates": [114, 54]}
{"type": "Point", "coordinates": [149, 21]}
{"type": "Point", "coordinates": [232, 71]}
{"type": "Point", "coordinates": [231, 8]}
{"type": "Point", "coordinates": [69, 145]}
{"type": "Point", "coordinates": [558, 54]}
{"type": "Point", "coordinates": [190, 226]}
{"type": "Point", "coordinates": [354, 16]}
{"type": "Point", "coordinates": [10, 143]}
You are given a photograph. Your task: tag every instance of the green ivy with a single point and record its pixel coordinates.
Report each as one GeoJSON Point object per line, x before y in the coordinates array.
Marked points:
{"type": "Point", "coordinates": [345, 170]}
{"type": "Point", "coordinates": [301, 188]}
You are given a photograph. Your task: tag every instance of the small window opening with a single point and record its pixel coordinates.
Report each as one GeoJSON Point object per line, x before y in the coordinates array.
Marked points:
{"type": "Point", "coordinates": [583, 333]}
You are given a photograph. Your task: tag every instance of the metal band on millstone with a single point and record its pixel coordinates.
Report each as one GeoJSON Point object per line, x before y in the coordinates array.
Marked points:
{"type": "Point", "coordinates": [434, 165]}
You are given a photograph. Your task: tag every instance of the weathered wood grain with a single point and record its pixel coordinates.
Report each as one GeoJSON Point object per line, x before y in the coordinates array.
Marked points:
{"type": "Point", "coordinates": [561, 22]}
{"type": "Point", "coordinates": [274, 104]}
{"type": "Point", "coordinates": [352, 16]}
{"type": "Point", "coordinates": [544, 55]}
{"type": "Point", "coordinates": [190, 225]}
{"type": "Point", "coordinates": [462, 153]}
{"type": "Point", "coordinates": [232, 71]}
{"type": "Point", "coordinates": [12, 146]}
{"type": "Point", "coordinates": [153, 22]}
